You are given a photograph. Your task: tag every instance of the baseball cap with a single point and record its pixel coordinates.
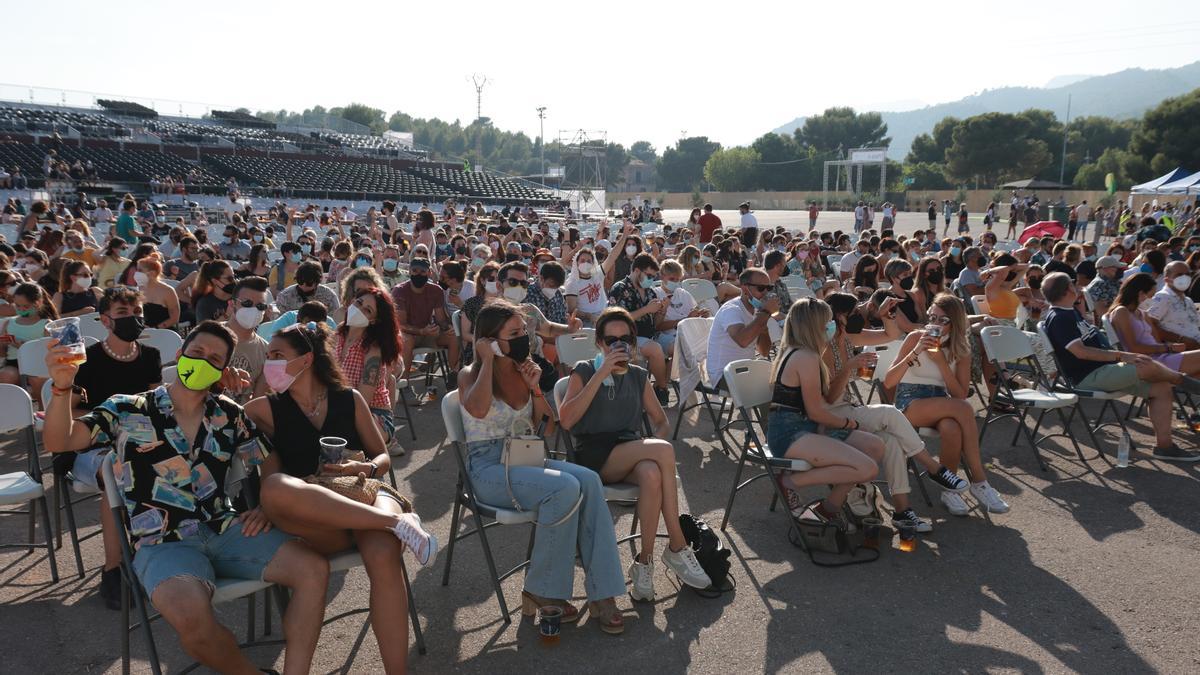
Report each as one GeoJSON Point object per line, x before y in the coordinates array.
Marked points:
{"type": "Point", "coordinates": [1109, 261]}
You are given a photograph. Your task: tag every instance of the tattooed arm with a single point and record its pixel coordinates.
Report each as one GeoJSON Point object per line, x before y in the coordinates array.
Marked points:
{"type": "Point", "coordinates": [371, 373]}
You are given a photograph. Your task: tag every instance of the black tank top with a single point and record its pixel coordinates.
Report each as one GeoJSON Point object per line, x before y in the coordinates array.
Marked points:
{"type": "Point", "coordinates": [155, 314]}
{"type": "Point", "coordinates": [783, 395]}
{"type": "Point", "coordinates": [73, 302]}
{"type": "Point", "coordinates": [296, 440]}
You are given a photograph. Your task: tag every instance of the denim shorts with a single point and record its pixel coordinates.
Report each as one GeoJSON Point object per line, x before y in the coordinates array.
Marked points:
{"type": "Point", "coordinates": [666, 340]}
{"type": "Point", "coordinates": [87, 465]}
{"type": "Point", "coordinates": [206, 555]}
{"type": "Point", "coordinates": [387, 423]}
{"type": "Point", "coordinates": [906, 393]}
{"type": "Point", "coordinates": [785, 426]}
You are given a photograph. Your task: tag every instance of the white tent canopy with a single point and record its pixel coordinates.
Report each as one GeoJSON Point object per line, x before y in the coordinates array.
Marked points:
{"type": "Point", "coordinates": [1188, 185]}
{"type": "Point", "coordinates": [1152, 187]}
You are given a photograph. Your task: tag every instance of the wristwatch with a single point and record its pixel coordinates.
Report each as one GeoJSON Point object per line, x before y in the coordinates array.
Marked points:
{"type": "Point", "coordinates": [374, 469]}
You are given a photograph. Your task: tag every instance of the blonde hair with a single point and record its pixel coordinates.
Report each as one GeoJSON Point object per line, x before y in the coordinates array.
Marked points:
{"type": "Point", "coordinates": [670, 266]}
{"type": "Point", "coordinates": [805, 329]}
{"type": "Point", "coordinates": [689, 258]}
{"type": "Point", "coordinates": [957, 347]}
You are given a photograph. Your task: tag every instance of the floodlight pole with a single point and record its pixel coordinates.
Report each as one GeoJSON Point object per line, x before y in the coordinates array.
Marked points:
{"type": "Point", "coordinates": [541, 111]}
{"type": "Point", "coordinates": [1062, 166]}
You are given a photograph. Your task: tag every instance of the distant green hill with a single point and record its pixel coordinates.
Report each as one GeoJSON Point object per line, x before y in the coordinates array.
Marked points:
{"type": "Point", "coordinates": [1128, 93]}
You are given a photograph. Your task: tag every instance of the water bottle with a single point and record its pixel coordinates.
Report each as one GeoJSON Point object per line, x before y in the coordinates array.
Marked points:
{"type": "Point", "coordinates": [1123, 450]}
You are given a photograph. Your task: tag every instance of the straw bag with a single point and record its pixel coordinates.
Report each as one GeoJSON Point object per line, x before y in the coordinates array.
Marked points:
{"type": "Point", "coordinates": [359, 488]}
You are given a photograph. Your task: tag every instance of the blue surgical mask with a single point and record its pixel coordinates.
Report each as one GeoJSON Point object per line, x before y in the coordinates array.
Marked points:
{"type": "Point", "coordinates": [955, 251]}
{"type": "Point", "coordinates": [830, 329]}
{"type": "Point", "coordinates": [596, 363]}
{"type": "Point", "coordinates": [1147, 268]}
{"type": "Point", "coordinates": [648, 282]}
{"type": "Point", "coordinates": [756, 303]}
{"type": "Point", "coordinates": [670, 286]}
{"type": "Point", "coordinates": [916, 257]}
{"type": "Point", "coordinates": [1090, 258]}
{"type": "Point", "coordinates": [295, 257]}
{"type": "Point", "coordinates": [390, 264]}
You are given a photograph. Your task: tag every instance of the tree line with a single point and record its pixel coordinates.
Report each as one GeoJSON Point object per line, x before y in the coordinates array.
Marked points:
{"type": "Point", "coordinates": [982, 151]}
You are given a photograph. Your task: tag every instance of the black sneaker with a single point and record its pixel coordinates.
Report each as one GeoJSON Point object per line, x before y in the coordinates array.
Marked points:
{"type": "Point", "coordinates": [949, 480]}
{"type": "Point", "coordinates": [910, 517]}
{"type": "Point", "coordinates": [110, 588]}
{"type": "Point", "coordinates": [1174, 453]}
{"type": "Point", "coordinates": [664, 396]}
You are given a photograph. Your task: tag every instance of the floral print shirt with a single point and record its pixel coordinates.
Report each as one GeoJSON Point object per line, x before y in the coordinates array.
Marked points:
{"type": "Point", "coordinates": [171, 489]}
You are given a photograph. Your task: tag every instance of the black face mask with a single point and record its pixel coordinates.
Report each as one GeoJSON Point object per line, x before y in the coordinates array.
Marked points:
{"type": "Point", "coordinates": [855, 323]}
{"type": "Point", "coordinates": [906, 283]}
{"type": "Point", "coordinates": [418, 280]}
{"type": "Point", "coordinates": [934, 277]}
{"type": "Point", "coordinates": [510, 257]}
{"type": "Point", "coordinates": [1035, 283]}
{"type": "Point", "coordinates": [128, 328]}
{"type": "Point", "coordinates": [518, 349]}
{"type": "Point", "coordinates": [228, 288]}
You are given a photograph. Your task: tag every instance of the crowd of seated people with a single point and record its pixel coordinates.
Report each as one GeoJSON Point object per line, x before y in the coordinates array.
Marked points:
{"type": "Point", "coordinates": [301, 323]}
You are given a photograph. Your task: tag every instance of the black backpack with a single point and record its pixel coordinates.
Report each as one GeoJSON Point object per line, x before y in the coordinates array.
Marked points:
{"type": "Point", "coordinates": [710, 553]}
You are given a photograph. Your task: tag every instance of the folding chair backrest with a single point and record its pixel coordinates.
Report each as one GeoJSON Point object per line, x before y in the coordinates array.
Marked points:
{"type": "Point", "coordinates": [452, 418]}
{"type": "Point", "coordinates": [91, 327]}
{"type": "Point", "coordinates": [1111, 332]}
{"type": "Point", "coordinates": [576, 347]}
{"type": "Point", "coordinates": [16, 408]}
{"type": "Point", "coordinates": [112, 493]}
{"type": "Point", "coordinates": [691, 340]}
{"type": "Point", "coordinates": [701, 289]}
{"type": "Point", "coordinates": [887, 356]}
{"type": "Point", "coordinates": [560, 391]}
{"type": "Point", "coordinates": [170, 374]}
{"type": "Point", "coordinates": [981, 304]}
{"type": "Point", "coordinates": [749, 382]}
{"type": "Point", "coordinates": [167, 342]}
{"type": "Point", "coordinates": [1006, 344]}
{"type": "Point", "coordinates": [31, 358]}
{"type": "Point", "coordinates": [456, 322]}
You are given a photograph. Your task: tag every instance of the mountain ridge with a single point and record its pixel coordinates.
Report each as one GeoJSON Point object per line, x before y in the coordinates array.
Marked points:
{"type": "Point", "coordinates": [1123, 94]}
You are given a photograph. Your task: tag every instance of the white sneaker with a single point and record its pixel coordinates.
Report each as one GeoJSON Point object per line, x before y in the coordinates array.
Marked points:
{"type": "Point", "coordinates": [685, 566]}
{"type": "Point", "coordinates": [642, 576]}
{"type": "Point", "coordinates": [424, 545]}
{"type": "Point", "coordinates": [987, 495]}
{"type": "Point", "coordinates": [954, 503]}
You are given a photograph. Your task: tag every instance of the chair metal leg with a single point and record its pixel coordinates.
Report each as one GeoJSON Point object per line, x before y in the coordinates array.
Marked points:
{"type": "Point", "coordinates": [71, 528]}
{"type": "Point", "coordinates": [454, 525]}
{"type": "Point", "coordinates": [49, 539]}
{"type": "Point", "coordinates": [916, 472]}
{"type": "Point", "coordinates": [407, 413]}
{"type": "Point", "coordinates": [32, 520]}
{"type": "Point", "coordinates": [737, 478]}
{"type": "Point", "coordinates": [56, 503]}
{"type": "Point", "coordinates": [495, 576]}
{"type": "Point", "coordinates": [412, 610]}
{"type": "Point", "coordinates": [1029, 437]}
{"type": "Point", "coordinates": [251, 606]}
{"type": "Point", "coordinates": [267, 612]}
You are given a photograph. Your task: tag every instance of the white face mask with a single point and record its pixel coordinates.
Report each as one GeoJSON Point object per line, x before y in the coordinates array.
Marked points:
{"type": "Point", "coordinates": [140, 278]}
{"type": "Point", "coordinates": [549, 292]}
{"type": "Point", "coordinates": [355, 318]}
{"type": "Point", "coordinates": [491, 287]}
{"type": "Point", "coordinates": [515, 293]}
{"type": "Point", "coordinates": [585, 267]}
{"type": "Point", "coordinates": [248, 317]}
{"type": "Point", "coordinates": [1182, 282]}
{"type": "Point", "coordinates": [630, 250]}
{"type": "Point", "coordinates": [82, 283]}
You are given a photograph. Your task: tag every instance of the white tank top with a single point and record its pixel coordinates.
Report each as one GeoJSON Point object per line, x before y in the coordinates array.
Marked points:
{"type": "Point", "coordinates": [925, 372]}
{"type": "Point", "coordinates": [498, 423]}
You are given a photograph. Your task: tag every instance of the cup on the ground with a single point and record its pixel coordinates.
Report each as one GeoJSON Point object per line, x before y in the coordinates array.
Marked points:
{"type": "Point", "coordinates": [871, 529]}
{"type": "Point", "coordinates": [549, 623]}
{"type": "Point", "coordinates": [68, 334]}
{"type": "Point", "coordinates": [908, 537]}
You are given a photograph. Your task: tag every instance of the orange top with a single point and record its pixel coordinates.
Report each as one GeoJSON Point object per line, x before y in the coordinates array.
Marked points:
{"type": "Point", "coordinates": [1004, 305]}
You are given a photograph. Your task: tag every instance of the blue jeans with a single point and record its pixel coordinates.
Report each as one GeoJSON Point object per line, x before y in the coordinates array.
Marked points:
{"type": "Point", "coordinates": [205, 555]}
{"type": "Point", "coordinates": [553, 491]}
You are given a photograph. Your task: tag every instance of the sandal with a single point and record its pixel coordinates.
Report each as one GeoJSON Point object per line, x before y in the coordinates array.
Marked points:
{"type": "Point", "coordinates": [606, 612]}
{"type": "Point", "coordinates": [531, 602]}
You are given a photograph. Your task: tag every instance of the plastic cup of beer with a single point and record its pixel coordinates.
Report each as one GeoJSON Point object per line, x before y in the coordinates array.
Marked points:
{"type": "Point", "coordinates": [549, 623]}
{"type": "Point", "coordinates": [908, 538]}
{"type": "Point", "coordinates": [934, 331]}
{"type": "Point", "coordinates": [871, 529]}
{"type": "Point", "coordinates": [622, 367]}
{"type": "Point", "coordinates": [866, 371]}
{"type": "Point", "coordinates": [332, 448]}
{"type": "Point", "coordinates": [68, 334]}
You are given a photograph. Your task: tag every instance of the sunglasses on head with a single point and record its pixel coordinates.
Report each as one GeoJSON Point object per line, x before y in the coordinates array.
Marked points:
{"type": "Point", "coordinates": [610, 340]}
{"type": "Point", "coordinates": [262, 307]}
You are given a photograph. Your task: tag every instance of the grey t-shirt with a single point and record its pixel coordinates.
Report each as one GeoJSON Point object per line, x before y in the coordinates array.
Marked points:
{"type": "Point", "coordinates": [614, 409]}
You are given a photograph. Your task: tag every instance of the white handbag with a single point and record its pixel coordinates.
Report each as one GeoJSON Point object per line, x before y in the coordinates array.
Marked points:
{"type": "Point", "coordinates": [527, 449]}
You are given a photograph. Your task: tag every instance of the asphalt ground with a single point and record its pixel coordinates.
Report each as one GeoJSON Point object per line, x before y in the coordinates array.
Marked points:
{"type": "Point", "coordinates": [1094, 570]}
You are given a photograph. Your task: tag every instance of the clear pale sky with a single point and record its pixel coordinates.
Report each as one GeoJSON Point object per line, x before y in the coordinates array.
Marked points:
{"type": "Point", "coordinates": [638, 70]}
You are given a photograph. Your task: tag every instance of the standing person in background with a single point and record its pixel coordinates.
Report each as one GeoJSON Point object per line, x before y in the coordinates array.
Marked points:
{"type": "Point", "coordinates": [963, 226]}
{"type": "Point", "coordinates": [932, 215]}
{"type": "Point", "coordinates": [709, 223]}
{"type": "Point", "coordinates": [813, 212]}
{"type": "Point", "coordinates": [749, 226]}
{"type": "Point", "coordinates": [989, 217]}
{"type": "Point", "coordinates": [127, 228]}
{"type": "Point", "coordinates": [1082, 214]}
{"type": "Point", "coordinates": [947, 214]}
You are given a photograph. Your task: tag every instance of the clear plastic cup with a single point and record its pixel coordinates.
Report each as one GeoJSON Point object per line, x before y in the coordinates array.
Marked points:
{"type": "Point", "coordinates": [67, 332]}
{"type": "Point", "coordinates": [332, 448]}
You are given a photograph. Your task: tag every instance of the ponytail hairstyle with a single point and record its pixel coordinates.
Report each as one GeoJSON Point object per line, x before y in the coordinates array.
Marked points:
{"type": "Point", "coordinates": [40, 299]}
{"type": "Point", "coordinates": [206, 279]}
{"type": "Point", "coordinates": [314, 338]}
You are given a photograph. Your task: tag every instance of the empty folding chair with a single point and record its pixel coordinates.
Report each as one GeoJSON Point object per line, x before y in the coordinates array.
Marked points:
{"type": "Point", "coordinates": [167, 342]}
{"type": "Point", "coordinates": [690, 374]}
{"type": "Point", "coordinates": [576, 347]}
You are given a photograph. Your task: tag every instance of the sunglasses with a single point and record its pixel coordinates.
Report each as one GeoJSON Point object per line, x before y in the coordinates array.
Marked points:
{"type": "Point", "coordinates": [610, 340]}
{"type": "Point", "coordinates": [940, 320]}
{"type": "Point", "coordinates": [262, 307]}
{"type": "Point", "coordinates": [513, 283]}
{"type": "Point", "coordinates": [762, 288]}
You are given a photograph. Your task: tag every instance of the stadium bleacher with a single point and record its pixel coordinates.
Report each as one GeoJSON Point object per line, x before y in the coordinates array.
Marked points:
{"type": "Point", "coordinates": [102, 137]}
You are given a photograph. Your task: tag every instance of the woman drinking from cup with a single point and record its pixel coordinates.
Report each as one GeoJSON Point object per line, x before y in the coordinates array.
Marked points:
{"type": "Point", "coordinates": [932, 378]}
{"type": "Point", "coordinates": [33, 311]}
{"type": "Point", "coordinates": [603, 409]}
{"type": "Point", "coordinates": [311, 402]}
{"type": "Point", "coordinates": [500, 397]}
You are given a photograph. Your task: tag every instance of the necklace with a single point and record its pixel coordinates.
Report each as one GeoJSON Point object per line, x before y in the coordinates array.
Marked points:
{"type": "Point", "coordinates": [133, 352]}
{"type": "Point", "coordinates": [316, 406]}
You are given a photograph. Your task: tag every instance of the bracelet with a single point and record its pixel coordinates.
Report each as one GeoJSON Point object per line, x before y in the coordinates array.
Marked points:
{"type": "Point", "coordinates": [65, 391]}
{"type": "Point", "coordinates": [537, 392]}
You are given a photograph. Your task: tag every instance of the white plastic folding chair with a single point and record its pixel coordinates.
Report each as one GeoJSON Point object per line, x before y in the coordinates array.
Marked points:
{"type": "Point", "coordinates": [167, 342]}
{"type": "Point", "coordinates": [91, 327]}
{"type": "Point", "coordinates": [689, 366]}
{"type": "Point", "coordinates": [700, 289]}
{"type": "Point", "coordinates": [464, 498]}
{"type": "Point", "coordinates": [1006, 345]}
{"type": "Point", "coordinates": [749, 383]}
{"type": "Point", "coordinates": [25, 487]}
{"type": "Point", "coordinates": [170, 374]}
{"type": "Point", "coordinates": [980, 304]}
{"type": "Point", "coordinates": [576, 347]}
